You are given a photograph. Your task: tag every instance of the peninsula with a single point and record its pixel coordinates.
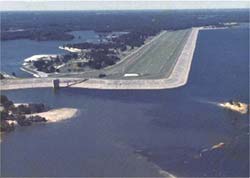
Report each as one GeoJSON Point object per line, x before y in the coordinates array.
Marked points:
{"type": "Point", "coordinates": [56, 115]}
{"type": "Point", "coordinates": [24, 114]}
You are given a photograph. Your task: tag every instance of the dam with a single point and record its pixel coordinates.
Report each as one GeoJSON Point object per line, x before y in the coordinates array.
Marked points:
{"type": "Point", "coordinates": [177, 78]}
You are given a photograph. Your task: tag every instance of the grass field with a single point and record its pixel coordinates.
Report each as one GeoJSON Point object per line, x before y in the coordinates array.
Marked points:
{"type": "Point", "coordinates": [160, 58]}
{"type": "Point", "coordinates": [155, 60]}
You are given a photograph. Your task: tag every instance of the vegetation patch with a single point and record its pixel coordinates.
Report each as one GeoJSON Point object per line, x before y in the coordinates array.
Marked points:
{"type": "Point", "coordinates": [15, 114]}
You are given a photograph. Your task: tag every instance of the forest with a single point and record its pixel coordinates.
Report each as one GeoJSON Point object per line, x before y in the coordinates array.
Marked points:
{"type": "Point", "coordinates": [42, 26]}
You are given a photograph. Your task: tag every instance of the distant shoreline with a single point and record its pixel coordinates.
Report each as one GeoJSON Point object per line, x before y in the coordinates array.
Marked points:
{"type": "Point", "coordinates": [177, 78]}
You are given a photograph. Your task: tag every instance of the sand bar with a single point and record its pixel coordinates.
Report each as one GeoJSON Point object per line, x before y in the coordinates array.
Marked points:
{"type": "Point", "coordinates": [56, 115]}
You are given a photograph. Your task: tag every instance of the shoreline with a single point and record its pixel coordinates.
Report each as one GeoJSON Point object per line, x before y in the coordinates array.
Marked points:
{"type": "Point", "coordinates": [177, 78]}
{"type": "Point", "coordinates": [25, 66]}
{"type": "Point", "coordinates": [72, 50]}
{"type": "Point", "coordinates": [51, 116]}
{"type": "Point", "coordinates": [38, 56]}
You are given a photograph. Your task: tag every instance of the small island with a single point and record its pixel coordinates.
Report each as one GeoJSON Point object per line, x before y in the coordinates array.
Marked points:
{"type": "Point", "coordinates": [235, 106]}
{"type": "Point", "coordinates": [23, 114]}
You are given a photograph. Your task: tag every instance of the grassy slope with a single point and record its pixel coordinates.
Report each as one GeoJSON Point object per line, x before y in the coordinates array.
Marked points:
{"type": "Point", "coordinates": [161, 58]}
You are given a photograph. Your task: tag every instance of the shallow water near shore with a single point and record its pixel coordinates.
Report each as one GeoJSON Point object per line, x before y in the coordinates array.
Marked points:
{"type": "Point", "coordinates": [140, 133]}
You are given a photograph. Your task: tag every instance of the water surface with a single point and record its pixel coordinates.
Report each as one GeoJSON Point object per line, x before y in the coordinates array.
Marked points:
{"type": "Point", "coordinates": [139, 133]}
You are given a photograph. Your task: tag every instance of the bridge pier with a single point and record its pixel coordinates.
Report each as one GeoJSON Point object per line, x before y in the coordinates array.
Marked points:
{"type": "Point", "coordinates": [56, 83]}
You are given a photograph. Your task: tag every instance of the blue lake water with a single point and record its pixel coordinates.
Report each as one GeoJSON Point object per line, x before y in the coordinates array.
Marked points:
{"type": "Point", "coordinates": [139, 133]}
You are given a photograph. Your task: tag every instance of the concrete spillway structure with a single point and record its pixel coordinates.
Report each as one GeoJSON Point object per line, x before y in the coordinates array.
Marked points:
{"type": "Point", "coordinates": [177, 78]}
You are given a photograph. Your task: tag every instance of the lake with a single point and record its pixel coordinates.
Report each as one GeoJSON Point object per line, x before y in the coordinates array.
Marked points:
{"type": "Point", "coordinates": [142, 133]}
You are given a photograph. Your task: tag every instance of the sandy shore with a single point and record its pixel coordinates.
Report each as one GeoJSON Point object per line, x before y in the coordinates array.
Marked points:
{"type": "Point", "coordinates": [39, 56]}
{"type": "Point", "coordinates": [73, 50]}
{"type": "Point", "coordinates": [18, 104]}
{"type": "Point", "coordinates": [56, 115]}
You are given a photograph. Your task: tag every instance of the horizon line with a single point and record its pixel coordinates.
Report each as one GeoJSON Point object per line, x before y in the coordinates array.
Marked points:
{"type": "Point", "coordinates": [34, 10]}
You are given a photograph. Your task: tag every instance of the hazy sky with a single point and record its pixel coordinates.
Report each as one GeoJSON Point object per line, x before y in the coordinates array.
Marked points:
{"type": "Point", "coordinates": [117, 4]}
